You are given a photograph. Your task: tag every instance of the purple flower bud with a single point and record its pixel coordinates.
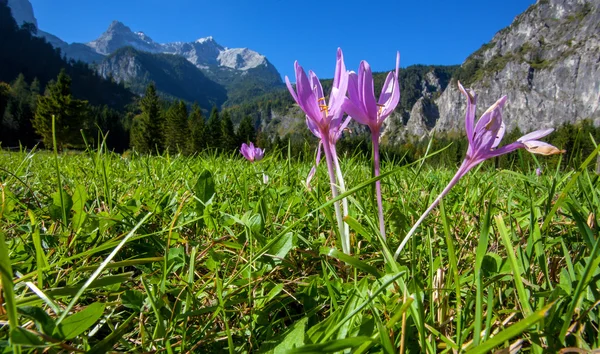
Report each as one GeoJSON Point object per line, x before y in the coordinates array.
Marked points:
{"type": "Point", "coordinates": [252, 153]}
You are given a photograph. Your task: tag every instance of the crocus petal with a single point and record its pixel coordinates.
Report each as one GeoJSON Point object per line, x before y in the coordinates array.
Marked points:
{"type": "Point", "coordinates": [506, 149]}
{"type": "Point", "coordinates": [340, 68]}
{"type": "Point", "coordinates": [312, 126]}
{"type": "Point", "coordinates": [353, 86]}
{"type": "Point", "coordinates": [291, 89]}
{"type": "Point", "coordinates": [542, 148]}
{"type": "Point", "coordinates": [397, 63]}
{"type": "Point", "coordinates": [489, 119]}
{"type": "Point", "coordinates": [315, 84]}
{"type": "Point", "coordinates": [471, 108]}
{"type": "Point", "coordinates": [306, 96]}
{"type": "Point", "coordinates": [340, 84]}
{"type": "Point", "coordinates": [258, 154]}
{"type": "Point", "coordinates": [366, 89]}
{"type": "Point", "coordinates": [390, 96]}
{"type": "Point", "coordinates": [355, 112]}
{"type": "Point", "coordinates": [499, 135]}
{"type": "Point", "coordinates": [535, 135]}
{"type": "Point", "coordinates": [244, 151]}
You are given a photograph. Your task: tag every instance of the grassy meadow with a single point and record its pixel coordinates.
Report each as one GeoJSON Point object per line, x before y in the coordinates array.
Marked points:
{"type": "Point", "coordinates": [101, 252]}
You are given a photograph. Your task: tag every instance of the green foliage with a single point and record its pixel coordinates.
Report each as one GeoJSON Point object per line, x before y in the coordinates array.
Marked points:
{"type": "Point", "coordinates": [228, 137]}
{"type": "Point", "coordinates": [197, 127]}
{"type": "Point", "coordinates": [22, 53]}
{"type": "Point", "coordinates": [111, 123]}
{"type": "Point", "coordinates": [504, 261]}
{"type": "Point", "coordinates": [69, 113]}
{"type": "Point", "coordinates": [214, 129]}
{"type": "Point", "coordinates": [176, 132]}
{"type": "Point", "coordinates": [4, 97]}
{"type": "Point", "coordinates": [245, 131]}
{"type": "Point", "coordinates": [148, 127]}
{"type": "Point", "coordinates": [20, 111]}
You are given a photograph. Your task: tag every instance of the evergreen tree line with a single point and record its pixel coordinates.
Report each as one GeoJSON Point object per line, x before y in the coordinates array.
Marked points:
{"type": "Point", "coordinates": [160, 127]}
{"type": "Point", "coordinates": [149, 125]}
{"type": "Point", "coordinates": [26, 116]}
{"type": "Point", "coordinates": [23, 53]}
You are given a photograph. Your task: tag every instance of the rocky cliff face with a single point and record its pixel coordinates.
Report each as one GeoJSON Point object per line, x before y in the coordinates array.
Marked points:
{"type": "Point", "coordinates": [173, 75]}
{"type": "Point", "coordinates": [22, 11]}
{"type": "Point", "coordinates": [118, 36]}
{"type": "Point", "coordinates": [206, 54]}
{"type": "Point", "coordinates": [547, 62]}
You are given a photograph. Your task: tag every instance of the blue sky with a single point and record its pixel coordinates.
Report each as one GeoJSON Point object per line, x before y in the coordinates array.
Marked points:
{"type": "Point", "coordinates": [425, 32]}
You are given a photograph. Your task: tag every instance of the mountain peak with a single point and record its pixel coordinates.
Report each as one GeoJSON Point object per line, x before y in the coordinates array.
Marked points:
{"type": "Point", "coordinates": [208, 39]}
{"type": "Point", "coordinates": [118, 26]}
{"type": "Point", "coordinates": [22, 11]}
{"type": "Point", "coordinates": [118, 35]}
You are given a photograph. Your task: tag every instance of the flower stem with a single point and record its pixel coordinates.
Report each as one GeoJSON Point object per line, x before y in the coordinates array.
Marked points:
{"type": "Point", "coordinates": [375, 138]}
{"type": "Point", "coordinates": [335, 193]}
{"type": "Point", "coordinates": [463, 169]}
{"type": "Point", "coordinates": [342, 186]}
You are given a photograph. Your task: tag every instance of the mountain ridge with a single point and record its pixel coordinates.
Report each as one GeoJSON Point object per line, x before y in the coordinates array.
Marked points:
{"type": "Point", "coordinates": [241, 71]}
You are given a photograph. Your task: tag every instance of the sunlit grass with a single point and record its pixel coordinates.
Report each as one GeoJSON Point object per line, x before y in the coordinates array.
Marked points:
{"type": "Point", "coordinates": [198, 254]}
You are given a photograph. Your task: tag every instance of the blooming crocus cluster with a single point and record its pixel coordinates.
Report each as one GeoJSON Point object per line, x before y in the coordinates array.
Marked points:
{"type": "Point", "coordinates": [325, 120]}
{"type": "Point", "coordinates": [252, 153]}
{"type": "Point", "coordinates": [363, 108]}
{"type": "Point", "coordinates": [484, 138]}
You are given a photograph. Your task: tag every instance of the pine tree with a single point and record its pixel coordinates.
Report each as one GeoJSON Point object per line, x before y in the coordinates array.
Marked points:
{"type": "Point", "coordinates": [228, 137]}
{"type": "Point", "coordinates": [246, 132]}
{"type": "Point", "coordinates": [263, 140]}
{"type": "Point", "coordinates": [176, 127]}
{"type": "Point", "coordinates": [197, 127]}
{"type": "Point", "coordinates": [20, 110]}
{"type": "Point", "coordinates": [213, 129]}
{"type": "Point", "coordinates": [147, 127]}
{"type": "Point", "coordinates": [4, 99]}
{"type": "Point", "coordinates": [69, 113]}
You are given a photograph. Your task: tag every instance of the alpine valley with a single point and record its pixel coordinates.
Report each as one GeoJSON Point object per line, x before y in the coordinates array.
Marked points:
{"type": "Point", "coordinates": [202, 71]}
{"type": "Point", "coordinates": [547, 62]}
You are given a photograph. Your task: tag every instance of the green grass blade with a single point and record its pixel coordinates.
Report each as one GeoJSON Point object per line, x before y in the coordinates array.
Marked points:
{"type": "Point", "coordinates": [511, 332]}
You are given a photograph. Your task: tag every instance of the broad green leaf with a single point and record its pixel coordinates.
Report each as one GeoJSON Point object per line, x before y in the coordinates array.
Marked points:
{"type": "Point", "coordinates": [80, 197]}
{"type": "Point", "coordinates": [56, 210]}
{"type": "Point", "coordinates": [21, 336]}
{"type": "Point", "coordinates": [43, 321]}
{"type": "Point", "coordinates": [133, 299]}
{"type": "Point", "coordinates": [79, 322]}
{"type": "Point", "coordinates": [282, 247]}
{"type": "Point", "coordinates": [294, 338]}
{"type": "Point", "coordinates": [204, 189]}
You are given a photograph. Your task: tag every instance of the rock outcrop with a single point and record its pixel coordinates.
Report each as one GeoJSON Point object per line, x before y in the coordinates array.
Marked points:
{"type": "Point", "coordinates": [547, 62]}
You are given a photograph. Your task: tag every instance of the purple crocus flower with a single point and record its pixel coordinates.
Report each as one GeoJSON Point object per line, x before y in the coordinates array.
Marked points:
{"type": "Point", "coordinates": [538, 171]}
{"type": "Point", "coordinates": [325, 120]}
{"type": "Point", "coordinates": [363, 108]}
{"type": "Point", "coordinates": [252, 153]}
{"type": "Point", "coordinates": [484, 138]}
